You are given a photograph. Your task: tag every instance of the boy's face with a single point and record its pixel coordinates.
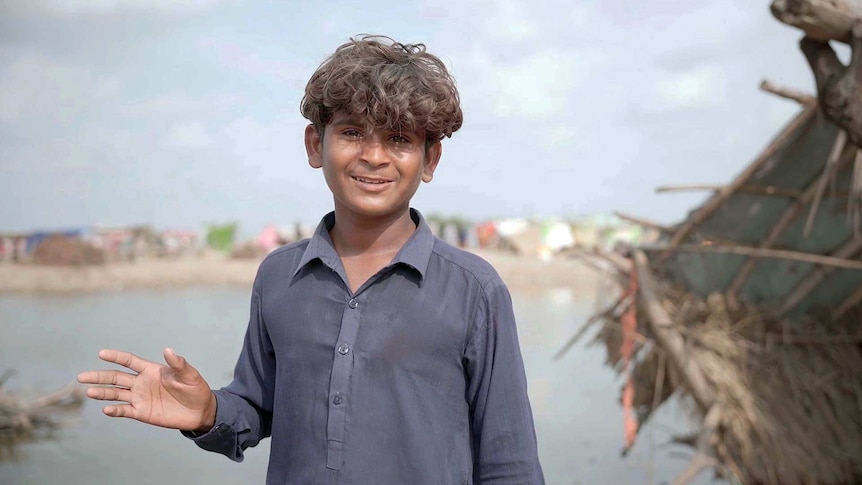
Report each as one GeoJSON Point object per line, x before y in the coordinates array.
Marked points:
{"type": "Point", "coordinates": [370, 174]}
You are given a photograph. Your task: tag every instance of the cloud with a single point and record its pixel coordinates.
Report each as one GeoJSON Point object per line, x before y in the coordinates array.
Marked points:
{"type": "Point", "coordinates": [536, 86]}
{"type": "Point", "coordinates": [511, 21]}
{"type": "Point", "coordinates": [35, 89]}
{"type": "Point", "coordinates": [189, 135]}
{"type": "Point", "coordinates": [85, 7]}
{"type": "Point", "coordinates": [704, 86]}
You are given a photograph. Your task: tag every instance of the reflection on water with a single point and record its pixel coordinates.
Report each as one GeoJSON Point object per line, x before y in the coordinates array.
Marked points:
{"type": "Point", "coordinates": [51, 339]}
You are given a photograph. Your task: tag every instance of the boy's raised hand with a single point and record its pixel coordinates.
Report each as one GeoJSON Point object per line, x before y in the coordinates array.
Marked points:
{"type": "Point", "coordinates": [172, 396]}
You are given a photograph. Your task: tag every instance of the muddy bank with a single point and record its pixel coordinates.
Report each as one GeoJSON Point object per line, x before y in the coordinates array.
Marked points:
{"type": "Point", "coordinates": [523, 273]}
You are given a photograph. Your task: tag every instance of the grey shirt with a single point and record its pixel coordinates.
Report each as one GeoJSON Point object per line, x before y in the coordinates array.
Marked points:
{"type": "Point", "coordinates": [416, 378]}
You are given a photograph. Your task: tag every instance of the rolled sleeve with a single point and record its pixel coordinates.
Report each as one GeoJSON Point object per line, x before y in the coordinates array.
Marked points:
{"type": "Point", "coordinates": [503, 432]}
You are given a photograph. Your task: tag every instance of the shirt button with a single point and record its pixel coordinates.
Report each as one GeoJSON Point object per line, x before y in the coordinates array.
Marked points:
{"type": "Point", "coordinates": [353, 303]}
{"type": "Point", "coordinates": [343, 349]}
{"type": "Point", "coordinates": [337, 400]}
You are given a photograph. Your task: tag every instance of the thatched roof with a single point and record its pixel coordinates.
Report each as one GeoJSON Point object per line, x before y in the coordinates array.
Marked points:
{"type": "Point", "coordinates": [748, 310]}
{"type": "Point", "coordinates": [795, 192]}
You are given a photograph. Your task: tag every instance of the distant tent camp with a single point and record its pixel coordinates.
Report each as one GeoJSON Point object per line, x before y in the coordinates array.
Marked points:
{"type": "Point", "coordinates": [221, 236]}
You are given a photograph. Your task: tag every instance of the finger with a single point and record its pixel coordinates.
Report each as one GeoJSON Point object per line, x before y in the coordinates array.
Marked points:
{"type": "Point", "coordinates": [124, 359]}
{"type": "Point", "coordinates": [119, 411]}
{"type": "Point", "coordinates": [109, 394]}
{"type": "Point", "coordinates": [108, 377]}
{"type": "Point", "coordinates": [178, 363]}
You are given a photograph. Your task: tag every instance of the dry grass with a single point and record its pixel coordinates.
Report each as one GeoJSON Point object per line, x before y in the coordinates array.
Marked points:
{"type": "Point", "coordinates": [791, 398]}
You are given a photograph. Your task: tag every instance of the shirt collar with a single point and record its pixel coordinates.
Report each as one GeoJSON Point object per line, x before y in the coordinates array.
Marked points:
{"type": "Point", "coordinates": [415, 253]}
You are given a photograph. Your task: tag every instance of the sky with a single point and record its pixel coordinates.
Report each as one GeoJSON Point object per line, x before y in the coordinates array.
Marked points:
{"type": "Point", "coordinates": [177, 114]}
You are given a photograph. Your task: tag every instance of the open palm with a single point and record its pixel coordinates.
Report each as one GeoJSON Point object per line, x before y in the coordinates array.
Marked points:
{"type": "Point", "coordinates": [172, 396]}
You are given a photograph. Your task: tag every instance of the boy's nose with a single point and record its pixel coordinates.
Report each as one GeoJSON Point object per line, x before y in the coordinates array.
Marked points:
{"type": "Point", "coordinates": [374, 151]}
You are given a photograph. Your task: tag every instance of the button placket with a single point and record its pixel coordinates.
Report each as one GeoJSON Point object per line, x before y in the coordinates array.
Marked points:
{"type": "Point", "coordinates": [339, 383]}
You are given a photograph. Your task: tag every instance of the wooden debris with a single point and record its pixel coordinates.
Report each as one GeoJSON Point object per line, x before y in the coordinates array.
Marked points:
{"type": "Point", "coordinates": [787, 93]}
{"type": "Point", "coordinates": [644, 222]}
{"type": "Point", "coordinates": [670, 340]}
{"type": "Point", "coordinates": [811, 258]}
{"type": "Point", "coordinates": [822, 20]}
{"type": "Point", "coordinates": [22, 419]}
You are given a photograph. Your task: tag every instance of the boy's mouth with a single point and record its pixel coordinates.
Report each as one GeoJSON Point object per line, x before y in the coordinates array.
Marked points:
{"type": "Point", "coordinates": [366, 180]}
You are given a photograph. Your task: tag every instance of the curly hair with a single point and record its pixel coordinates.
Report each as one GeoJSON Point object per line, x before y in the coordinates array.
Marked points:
{"type": "Point", "coordinates": [387, 84]}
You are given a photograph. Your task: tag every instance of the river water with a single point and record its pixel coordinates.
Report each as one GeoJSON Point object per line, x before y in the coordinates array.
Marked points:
{"type": "Point", "coordinates": [49, 339]}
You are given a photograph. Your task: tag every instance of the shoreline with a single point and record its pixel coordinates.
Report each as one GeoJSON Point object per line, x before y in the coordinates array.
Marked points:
{"type": "Point", "coordinates": [521, 273]}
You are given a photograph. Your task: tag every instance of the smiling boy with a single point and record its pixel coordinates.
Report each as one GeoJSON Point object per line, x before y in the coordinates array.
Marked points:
{"type": "Point", "coordinates": [375, 353]}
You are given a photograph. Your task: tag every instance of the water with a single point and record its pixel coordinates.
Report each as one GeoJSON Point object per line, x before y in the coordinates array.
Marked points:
{"type": "Point", "coordinates": [48, 340]}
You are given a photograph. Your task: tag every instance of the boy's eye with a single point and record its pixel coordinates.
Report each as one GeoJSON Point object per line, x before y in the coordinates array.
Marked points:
{"type": "Point", "coordinates": [352, 133]}
{"type": "Point", "coordinates": [398, 139]}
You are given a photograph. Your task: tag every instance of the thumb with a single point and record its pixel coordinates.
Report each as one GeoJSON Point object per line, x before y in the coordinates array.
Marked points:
{"type": "Point", "coordinates": [177, 363]}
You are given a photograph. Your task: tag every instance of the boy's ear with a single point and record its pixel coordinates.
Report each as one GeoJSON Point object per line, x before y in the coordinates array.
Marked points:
{"type": "Point", "coordinates": [432, 158]}
{"type": "Point", "coordinates": [313, 146]}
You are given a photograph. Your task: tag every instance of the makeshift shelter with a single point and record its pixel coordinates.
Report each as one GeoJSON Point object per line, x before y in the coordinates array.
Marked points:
{"type": "Point", "coordinates": [749, 310]}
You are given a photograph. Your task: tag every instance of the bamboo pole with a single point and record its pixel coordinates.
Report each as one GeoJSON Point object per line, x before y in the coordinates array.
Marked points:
{"type": "Point", "coordinates": [850, 302]}
{"type": "Point", "coordinates": [644, 222]}
{"type": "Point", "coordinates": [799, 256]}
{"type": "Point", "coordinates": [834, 155]}
{"type": "Point", "coordinates": [749, 189]}
{"type": "Point", "coordinates": [786, 137]}
{"type": "Point", "coordinates": [669, 338]}
{"type": "Point", "coordinates": [787, 93]}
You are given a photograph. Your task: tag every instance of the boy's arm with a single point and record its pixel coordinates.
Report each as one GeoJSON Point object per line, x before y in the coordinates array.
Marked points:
{"type": "Point", "coordinates": [244, 407]}
{"type": "Point", "coordinates": [504, 436]}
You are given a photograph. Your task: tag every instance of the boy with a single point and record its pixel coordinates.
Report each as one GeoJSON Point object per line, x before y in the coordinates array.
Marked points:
{"type": "Point", "coordinates": [375, 353]}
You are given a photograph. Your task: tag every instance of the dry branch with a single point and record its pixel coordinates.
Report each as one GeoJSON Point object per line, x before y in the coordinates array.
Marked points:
{"type": "Point", "coordinates": [787, 93]}
{"type": "Point", "coordinates": [832, 161]}
{"type": "Point", "coordinates": [799, 256]}
{"type": "Point", "coordinates": [850, 302]}
{"type": "Point", "coordinates": [22, 419]}
{"type": "Point", "coordinates": [606, 313]}
{"type": "Point", "coordinates": [644, 222]}
{"type": "Point", "coordinates": [749, 189]}
{"type": "Point", "coordinates": [668, 338]}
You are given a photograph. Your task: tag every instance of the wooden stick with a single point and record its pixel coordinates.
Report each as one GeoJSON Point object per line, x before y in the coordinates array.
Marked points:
{"type": "Point", "coordinates": [73, 394]}
{"type": "Point", "coordinates": [848, 303]}
{"type": "Point", "coordinates": [763, 253]}
{"type": "Point", "coordinates": [607, 312]}
{"type": "Point", "coordinates": [644, 222]}
{"type": "Point", "coordinates": [583, 257]}
{"type": "Point", "coordinates": [780, 338]}
{"type": "Point", "coordinates": [617, 264]}
{"type": "Point", "coordinates": [831, 161]}
{"type": "Point", "coordinates": [785, 138]}
{"type": "Point", "coordinates": [787, 93]}
{"type": "Point", "coordinates": [786, 219]}
{"type": "Point", "coordinates": [669, 338]}
{"type": "Point", "coordinates": [750, 189]}
{"type": "Point", "coordinates": [822, 20]}
{"type": "Point", "coordinates": [806, 286]}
